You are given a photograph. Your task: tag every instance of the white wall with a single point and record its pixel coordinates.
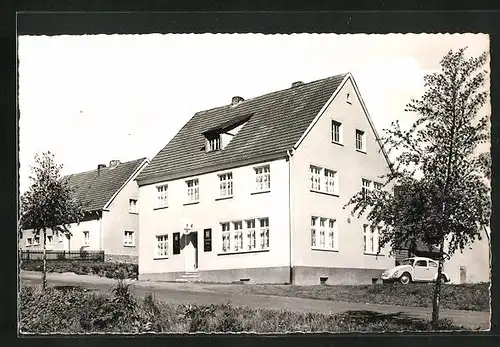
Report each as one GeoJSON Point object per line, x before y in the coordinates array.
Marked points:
{"type": "Point", "coordinates": [209, 213]}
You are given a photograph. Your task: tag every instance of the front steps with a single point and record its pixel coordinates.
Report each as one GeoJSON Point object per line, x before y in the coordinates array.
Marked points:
{"type": "Point", "coordinates": [188, 276]}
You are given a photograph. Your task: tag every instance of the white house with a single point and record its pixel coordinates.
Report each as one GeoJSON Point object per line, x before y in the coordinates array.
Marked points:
{"type": "Point", "coordinates": [109, 195]}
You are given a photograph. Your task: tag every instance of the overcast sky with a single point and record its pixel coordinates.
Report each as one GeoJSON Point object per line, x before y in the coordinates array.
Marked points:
{"type": "Point", "coordinates": [91, 99]}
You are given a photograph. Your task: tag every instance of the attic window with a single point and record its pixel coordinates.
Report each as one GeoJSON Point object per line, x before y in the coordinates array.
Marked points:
{"type": "Point", "coordinates": [213, 143]}
{"type": "Point", "coordinates": [348, 98]}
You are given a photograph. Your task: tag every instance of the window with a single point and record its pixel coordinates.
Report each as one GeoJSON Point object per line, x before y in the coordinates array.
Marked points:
{"type": "Point", "coordinates": [323, 233]}
{"type": "Point", "coordinates": [313, 231]}
{"type": "Point", "coordinates": [37, 240]}
{"type": "Point", "coordinates": [336, 132]}
{"type": "Point", "coordinates": [226, 237]}
{"type": "Point", "coordinates": [264, 233]}
{"type": "Point", "coordinates": [86, 238]}
{"type": "Point", "coordinates": [432, 264]}
{"type": "Point", "coordinates": [29, 241]}
{"type": "Point", "coordinates": [161, 246]}
{"type": "Point", "coordinates": [348, 98]}
{"type": "Point", "coordinates": [360, 140]}
{"type": "Point", "coordinates": [330, 181]}
{"type": "Point", "coordinates": [176, 247]}
{"type": "Point", "coordinates": [238, 236]}
{"type": "Point", "coordinates": [132, 205]}
{"type": "Point", "coordinates": [371, 239]}
{"type": "Point", "coordinates": [162, 195]}
{"type": "Point", "coordinates": [193, 192]}
{"type": "Point", "coordinates": [262, 178]}
{"type": "Point", "coordinates": [251, 241]}
{"type": "Point", "coordinates": [315, 177]}
{"type": "Point", "coordinates": [377, 186]}
{"type": "Point", "coordinates": [422, 263]}
{"type": "Point", "coordinates": [128, 238]}
{"type": "Point", "coordinates": [328, 184]}
{"type": "Point", "coordinates": [366, 186]}
{"type": "Point", "coordinates": [226, 184]}
{"type": "Point", "coordinates": [214, 143]}
{"type": "Point", "coordinates": [50, 240]}
{"type": "Point", "coordinates": [60, 237]}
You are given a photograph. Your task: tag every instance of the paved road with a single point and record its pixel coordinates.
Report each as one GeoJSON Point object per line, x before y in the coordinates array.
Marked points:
{"type": "Point", "coordinates": [185, 293]}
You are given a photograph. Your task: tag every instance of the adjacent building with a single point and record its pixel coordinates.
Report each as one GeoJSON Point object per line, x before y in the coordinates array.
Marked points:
{"type": "Point", "coordinates": [109, 195]}
{"type": "Point", "coordinates": [254, 191]}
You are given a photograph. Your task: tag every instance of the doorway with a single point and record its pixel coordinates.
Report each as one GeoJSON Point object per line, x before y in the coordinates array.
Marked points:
{"type": "Point", "coordinates": [191, 251]}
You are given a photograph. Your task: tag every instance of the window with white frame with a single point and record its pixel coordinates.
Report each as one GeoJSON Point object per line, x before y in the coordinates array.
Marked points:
{"type": "Point", "coordinates": [377, 186]}
{"type": "Point", "coordinates": [238, 235]}
{"type": "Point", "coordinates": [50, 240]}
{"type": "Point", "coordinates": [60, 236]}
{"type": "Point", "coordinates": [132, 205]}
{"type": "Point", "coordinates": [366, 187]}
{"type": "Point", "coordinates": [336, 132]}
{"type": "Point", "coordinates": [193, 191]}
{"type": "Point", "coordinates": [315, 177]}
{"type": "Point", "coordinates": [371, 236]}
{"type": "Point", "coordinates": [86, 238]}
{"type": "Point", "coordinates": [323, 180]}
{"type": "Point", "coordinates": [161, 246]}
{"type": "Point", "coordinates": [264, 233]}
{"type": "Point", "coordinates": [262, 178]}
{"type": "Point", "coordinates": [36, 240]}
{"type": "Point", "coordinates": [162, 195]}
{"type": "Point", "coordinates": [226, 184]}
{"type": "Point", "coordinates": [128, 238]}
{"type": "Point", "coordinates": [29, 241]}
{"type": "Point", "coordinates": [251, 239]}
{"type": "Point", "coordinates": [226, 237]}
{"type": "Point", "coordinates": [360, 140]}
{"type": "Point", "coordinates": [324, 233]}
{"type": "Point", "coordinates": [214, 143]}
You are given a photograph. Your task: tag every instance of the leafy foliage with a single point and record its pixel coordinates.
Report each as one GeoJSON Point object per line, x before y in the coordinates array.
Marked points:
{"type": "Point", "coordinates": [106, 269]}
{"type": "Point", "coordinates": [441, 193]}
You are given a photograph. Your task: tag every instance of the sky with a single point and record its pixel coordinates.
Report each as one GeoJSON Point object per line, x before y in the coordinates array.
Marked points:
{"type": "Point", "coordinates": [93, 98]}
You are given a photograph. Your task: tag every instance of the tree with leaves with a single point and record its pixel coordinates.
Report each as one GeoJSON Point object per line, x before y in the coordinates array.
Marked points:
{"type": "Point", "coordinates": [441, 193]}
{"type": "Point", "coordinates": [49, 204]}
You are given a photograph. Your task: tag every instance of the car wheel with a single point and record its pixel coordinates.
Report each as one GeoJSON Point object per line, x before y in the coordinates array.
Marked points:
{"type": "Point", "coordinates": [405, 278]}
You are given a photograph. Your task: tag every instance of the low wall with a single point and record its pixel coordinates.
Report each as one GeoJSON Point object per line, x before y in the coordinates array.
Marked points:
{"type": "Point", "coordinates": [308, 275]}
{"type": "Point", "coordinates": [120, 258]}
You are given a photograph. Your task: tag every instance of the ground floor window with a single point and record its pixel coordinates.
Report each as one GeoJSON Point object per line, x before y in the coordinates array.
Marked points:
{"type": "Point", "coordinates": [29, 241]}
{"type": "Point", "coordinates": [161, 246]}
{"type": "Point", "coordinates": [242, 236]}
{"type": "Point", "coordinates": [37, 240]}
{"type": "Point", "coordinates": [86, 238]}
{"type": "Point", "coordinates": [371, 236]}
{"type": "Point", "coordinates": [324, 233]}
{"type": "Point", "coordinates": [128, 238]}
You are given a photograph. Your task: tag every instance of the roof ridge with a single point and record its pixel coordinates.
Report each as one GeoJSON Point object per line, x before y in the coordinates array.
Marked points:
{"type": "Point", "coordinates": [107, 167]}
{"type": "Point", "coordinates": [271, 93]}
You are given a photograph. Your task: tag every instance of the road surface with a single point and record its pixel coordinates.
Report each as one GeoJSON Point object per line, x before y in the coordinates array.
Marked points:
{"type": "Point", "coordinates": [197, 293]}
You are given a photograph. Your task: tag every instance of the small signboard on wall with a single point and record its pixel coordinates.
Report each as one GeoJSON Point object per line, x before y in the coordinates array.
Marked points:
{"type": "Point", "coordinates": [177, 243]}
{"type": "Point", "coordinates": [207, 238]}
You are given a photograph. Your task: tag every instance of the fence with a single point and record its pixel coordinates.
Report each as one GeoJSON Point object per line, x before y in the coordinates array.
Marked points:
{"type": "Point", "coordinates": [63, 255]}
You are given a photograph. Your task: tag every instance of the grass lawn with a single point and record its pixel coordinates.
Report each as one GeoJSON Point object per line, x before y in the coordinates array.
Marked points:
{"type": "Point", "coordinates": [73, 310]}
{"type": "Point", "coordinates": [475, 297]}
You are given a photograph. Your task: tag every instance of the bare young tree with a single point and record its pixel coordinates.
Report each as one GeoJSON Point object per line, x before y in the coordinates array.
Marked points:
{"type": "Point", "coordinates": [441, 193]}
{"type": "Point", "coordinates": [49, 203]}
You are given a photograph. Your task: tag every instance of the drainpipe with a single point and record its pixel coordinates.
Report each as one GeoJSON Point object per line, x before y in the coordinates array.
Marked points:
{"type": "Point", "coordinates": [290, 249]}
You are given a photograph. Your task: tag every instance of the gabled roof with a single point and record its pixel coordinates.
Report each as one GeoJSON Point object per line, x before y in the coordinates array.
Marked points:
{"type": "Point", "coordinates": [278, 121]}
{"type": "Point", "coordinates": [95, 189]}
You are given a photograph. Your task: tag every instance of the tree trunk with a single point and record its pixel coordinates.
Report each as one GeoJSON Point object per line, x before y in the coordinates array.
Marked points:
{"type": "Point", "coordinates": [44, 270]}
{"type": "Point", "coordinates": [437, 287]}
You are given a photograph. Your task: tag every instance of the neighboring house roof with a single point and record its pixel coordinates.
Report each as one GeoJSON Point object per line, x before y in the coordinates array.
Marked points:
{"type": "Point", "coordinates": [96, 189]}
{"type": "Point", "coordinates": [276, 122]}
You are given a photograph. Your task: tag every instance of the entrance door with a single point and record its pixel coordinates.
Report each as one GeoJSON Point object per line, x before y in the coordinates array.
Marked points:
{"type": "Point", "coordinates": [191, 251]}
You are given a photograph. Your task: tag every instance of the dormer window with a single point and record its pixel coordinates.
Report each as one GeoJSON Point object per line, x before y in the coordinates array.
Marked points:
{"type": "Point", "coordinates": [214, 143]}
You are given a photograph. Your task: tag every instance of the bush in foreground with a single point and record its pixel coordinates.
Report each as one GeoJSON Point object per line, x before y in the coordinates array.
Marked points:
{"type": "Point", "coordinates": [102, 269]}
{"type": "Point", "coordinates": [77, 311]}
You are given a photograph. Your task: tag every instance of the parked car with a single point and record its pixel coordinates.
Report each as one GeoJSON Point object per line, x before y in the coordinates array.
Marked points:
{"type": "Point", "coordinates": [415, 269]}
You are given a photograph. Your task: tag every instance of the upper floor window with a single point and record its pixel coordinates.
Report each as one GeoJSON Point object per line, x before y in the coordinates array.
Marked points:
{"type": "Point", "coordinates": [262, 178]}
{"type": "Point", "coordinates": [367, 186]}
{"type": "Point", "coordinates": [162, 195]}
{"type": "Point", "coordinates": [323, 180]}
{"type": "Point", "coordinates": [336, 132]}
{"type": "Point", "coordinates": [132, 205]}
{"type": "Point", "coordinates": [360, 140]}
{"type": "Point", "coordinates": [226, 185]}
{"type": "Point", "coordinates": [193, 191]}
{"type": "Point", "coordinates": [214, 143]}
{"type": "Point", "coordinates": [324, 233]}
{"type": "Point", "coordinates": [348, 98]}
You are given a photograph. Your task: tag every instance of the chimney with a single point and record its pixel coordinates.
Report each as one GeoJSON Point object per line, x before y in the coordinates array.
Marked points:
{"type": "Point", "coordinates": [297, 83]}
{"type": "Point", "coordinates": [236, 100]}
{"type": "Point", "coordinates": [113, 163]}
{"type": "Point", "coordinates": [100, 167]}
